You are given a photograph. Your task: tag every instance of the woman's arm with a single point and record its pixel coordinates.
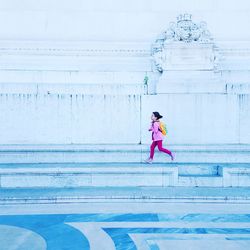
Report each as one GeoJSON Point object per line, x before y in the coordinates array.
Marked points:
{"type": "Point", "coordinates": [151, 127]}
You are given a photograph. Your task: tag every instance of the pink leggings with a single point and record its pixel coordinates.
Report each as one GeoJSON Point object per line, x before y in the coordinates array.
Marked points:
{"type": "Point", "coordinates": [159, 144]}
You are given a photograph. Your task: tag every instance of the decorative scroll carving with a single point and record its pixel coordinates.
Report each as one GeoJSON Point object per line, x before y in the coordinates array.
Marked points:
{"type": "Point", "coordinates": [184, 30]}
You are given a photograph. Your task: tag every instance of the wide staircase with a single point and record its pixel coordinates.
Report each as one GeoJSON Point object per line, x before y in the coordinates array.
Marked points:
{"type": "Point", "coordinates": [114, 173]}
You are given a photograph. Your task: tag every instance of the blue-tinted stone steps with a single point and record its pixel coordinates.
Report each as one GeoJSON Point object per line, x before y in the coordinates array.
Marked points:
{"type": "Point", "coordinates": [124, 194]}
{"type": "Point", "coordinates": [124, 175]}
{"type": "Point", "coordinates": [87, 175]}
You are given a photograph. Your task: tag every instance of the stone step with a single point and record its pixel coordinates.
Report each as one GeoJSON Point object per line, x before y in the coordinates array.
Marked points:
{"type": "Point", "coordinates": [123, 175]}
{"type": "Point", "coordinates": [123, 153]}
{"type": "Point", "coordinates": [124, 194]}
{"type": "Point", "coordinates": [87, 175]}
{"type": "Point", "coordinates": [184, 169]}
{"type": "Point", "coordinates": [200, 181]}
{"type": "Point", "coordinates": [197, 169]}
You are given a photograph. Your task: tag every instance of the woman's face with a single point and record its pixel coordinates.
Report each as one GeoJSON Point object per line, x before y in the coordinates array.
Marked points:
{"type": "Point", "coordinates": [153, 118]}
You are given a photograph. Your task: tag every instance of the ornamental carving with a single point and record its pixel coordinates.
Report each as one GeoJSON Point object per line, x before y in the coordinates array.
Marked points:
{"type": "Point", "coordinates": [185, 31]}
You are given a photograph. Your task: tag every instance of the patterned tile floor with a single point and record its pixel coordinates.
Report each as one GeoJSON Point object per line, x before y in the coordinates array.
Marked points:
{"type": "Point", "coordinates": [122, 226]}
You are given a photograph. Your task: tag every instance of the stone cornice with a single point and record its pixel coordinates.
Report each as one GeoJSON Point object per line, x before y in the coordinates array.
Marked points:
{"type": "Point", "coordinates": [72, 48]}
{"type": "Point", "coordinates": [98, 48]}
{"type": "Point", "coordinates": [103, 56]}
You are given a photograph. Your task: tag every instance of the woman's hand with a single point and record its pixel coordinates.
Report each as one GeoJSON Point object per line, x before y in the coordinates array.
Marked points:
{"type": "Point", "coordinates": [151, 127]}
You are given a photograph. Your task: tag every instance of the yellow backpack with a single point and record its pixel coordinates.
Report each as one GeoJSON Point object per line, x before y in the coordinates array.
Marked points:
{"type": "Point", "coordinates": [163, 128]}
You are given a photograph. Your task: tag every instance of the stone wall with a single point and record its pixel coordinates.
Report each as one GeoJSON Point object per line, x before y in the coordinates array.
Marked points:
{"type": "Point", "coordinates": [74, 73]}
{"type": "Point", "coordinates": [71, 92]}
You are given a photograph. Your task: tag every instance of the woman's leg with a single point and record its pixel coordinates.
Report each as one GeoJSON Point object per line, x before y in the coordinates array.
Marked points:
{"type": "Point", "coordinates": [159, 144]}
{"type": "Point", "coordinates": [152, 149]}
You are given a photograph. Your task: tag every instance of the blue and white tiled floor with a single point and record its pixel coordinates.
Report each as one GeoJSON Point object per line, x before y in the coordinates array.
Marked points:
{"type": "Point", "coordinates": [122, 226]}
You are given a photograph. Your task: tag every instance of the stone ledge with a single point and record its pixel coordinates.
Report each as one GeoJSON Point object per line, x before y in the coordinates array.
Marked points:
{"type": "Point", "coordinates": [81, 176]}
{"type": "Point", "coordinates": [122, 153]}
{"type": "Point", "coordinates": [123, 175]}
{"type": "Point", "coordinates": [113, 195]}
{"type": "Point", "coordinates": [120, 147]}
